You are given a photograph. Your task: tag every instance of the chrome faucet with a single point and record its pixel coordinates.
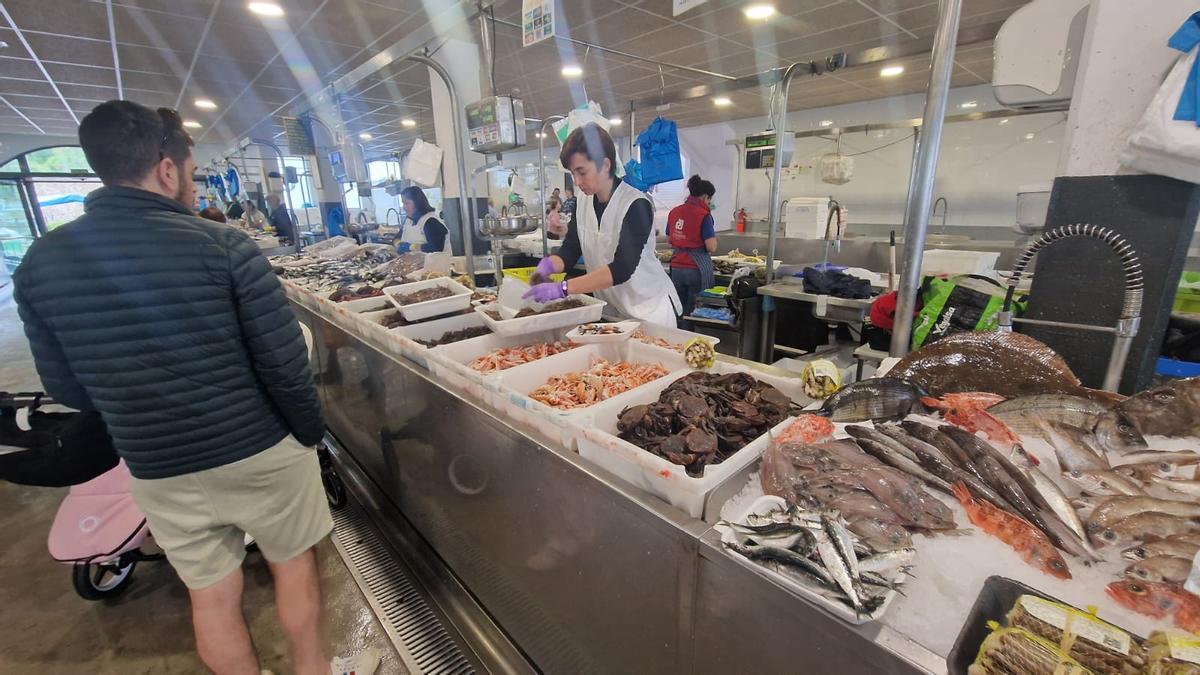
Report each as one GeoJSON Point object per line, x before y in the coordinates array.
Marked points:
{"type": "Point", "coordinates": [387, 217]}
{"type": "Point", "coordinates": [945, 209]}
{"type": "Point", "coordinates": [833, 219]}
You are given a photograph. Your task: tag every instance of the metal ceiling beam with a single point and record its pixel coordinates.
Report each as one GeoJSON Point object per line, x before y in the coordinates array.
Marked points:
{"type": "Point", "coordinates": [187, 78]}
{"type": "Point", "coordinates": [832, 133]}
{"type": "Point", "coordinates": [16, 110]}
{"type": "Point", "coordinates": [112, 39]}
{"type": "Point", "coordinates": [967, 37]}
{"type": "Point", "coordinates": [37, 61]}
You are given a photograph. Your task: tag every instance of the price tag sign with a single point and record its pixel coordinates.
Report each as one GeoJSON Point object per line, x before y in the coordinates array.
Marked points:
{"type": "Point", "coordinates": [682, 6]}
{"type": "Point", "coordinates": [537, 21]}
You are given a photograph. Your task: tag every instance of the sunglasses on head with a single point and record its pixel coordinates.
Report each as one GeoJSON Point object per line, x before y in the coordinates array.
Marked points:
{"type": "Point", "coordinates": [171, 123]}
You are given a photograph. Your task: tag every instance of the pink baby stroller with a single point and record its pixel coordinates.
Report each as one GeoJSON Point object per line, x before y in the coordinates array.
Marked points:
{"type": "Point", "coordinates": [98, 530]}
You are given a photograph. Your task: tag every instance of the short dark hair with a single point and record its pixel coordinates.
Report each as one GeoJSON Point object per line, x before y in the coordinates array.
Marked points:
{"type": "Point", "coordinates": [213, 213]}
{"type": "Point", "coordinates": [418, 198]}
{"type": "Point", "coordinates": [123, 141]}
{"type": "Point", "coordinates": [592, 142]}
{"type": "Point", "coordinates": [697, 186]}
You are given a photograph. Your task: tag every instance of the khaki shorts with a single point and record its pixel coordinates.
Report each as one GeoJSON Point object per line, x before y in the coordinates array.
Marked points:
{"type": "Point", "coordinates": [199, 519]}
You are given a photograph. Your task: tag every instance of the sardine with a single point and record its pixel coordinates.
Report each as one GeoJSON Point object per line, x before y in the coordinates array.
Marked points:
{"type": "Point", "coordinates": [786, 557]}
{"type": "Point", "coordinates": [1114, 433]}
{"type": "Point", "coordinates": [1071, 448]}
{"type": "Point", "coordinates": [1170, 410]}
{"type": "Point", "coordinates": [1160, 568]}
{"type": "Point", "coordinates": [1143, 526]}
{"type": "Point", "coordinates": [883, 398]}
{"type": "Point", "coordinates": [842, 541]}
{"type": "Point", "coordinates": [1114, 509]}
{"type": "Point", "coordinates": [889, 560]}
{"type": "Point", "coordinates": [1104, 483]}
{"type": "Point", "coordinates": [837, 567]}
{"type": "Point", "coordinates": [1175, 548]}
{"type": "Point", "coordinates": [887, 455]}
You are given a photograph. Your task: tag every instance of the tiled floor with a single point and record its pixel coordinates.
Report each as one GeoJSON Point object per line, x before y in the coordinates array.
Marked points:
{"type": "Point", "coordinates": [48, 629]}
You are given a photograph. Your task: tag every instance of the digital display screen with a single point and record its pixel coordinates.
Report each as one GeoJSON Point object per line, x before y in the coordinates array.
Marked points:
{"type": "Point", "coordinates": [760, 141]}
{"type": "Point", "coordinates": [481, 115]}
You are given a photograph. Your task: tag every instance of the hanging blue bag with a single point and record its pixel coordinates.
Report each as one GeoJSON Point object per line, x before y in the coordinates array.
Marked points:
{"type": "Point", "coordinates": [633, 175]}
{"type": "Point", "coordinates": [660, 152]}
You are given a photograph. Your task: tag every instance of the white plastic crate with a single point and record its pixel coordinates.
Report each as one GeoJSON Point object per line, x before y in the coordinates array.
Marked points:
{"type": "Point", "coordinates": [418, 311]}
{"type": "Point", "coordinates": [598, 442]}
{"type": "Point", "coordinates": [515, 385]}
{"type": "Point", "coordinates": [431, 330]}
{"type": "Point", "coordinates": [674, 335]}
{"type": "Point", "coordinates": [951, 262]}
{"type": "Point", "coordinates": [590, 312]}
{"type": "Point", "coordinates": [448, 363]}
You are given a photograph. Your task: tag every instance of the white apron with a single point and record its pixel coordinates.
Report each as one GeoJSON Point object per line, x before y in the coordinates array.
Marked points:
{"type": "Point", "coordinates": [649, 294]}
{"type": "Point", "coordinates": [414, 233]}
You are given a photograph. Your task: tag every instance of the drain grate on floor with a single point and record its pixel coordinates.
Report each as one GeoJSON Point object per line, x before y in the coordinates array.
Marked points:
{"type": "Point", "coordinates": [423, 642]}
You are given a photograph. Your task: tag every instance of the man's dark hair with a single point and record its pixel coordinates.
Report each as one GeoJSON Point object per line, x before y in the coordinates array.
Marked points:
{"type": "Point", "coordinates": [697, 186]}
{"type": "Point", "coordinates": [123, 141]}
{"type": "Point", "coordinates": [592, 142]}
{"type": "Point", "coordinates": [213, 213]}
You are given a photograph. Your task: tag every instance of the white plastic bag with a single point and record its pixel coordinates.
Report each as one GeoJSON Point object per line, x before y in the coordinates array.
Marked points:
{"type": "Point", "coordinates": [836, 169]}
{"type": "Point", "coordinates": [1160, 144]}
{"type": "Point", "coordinates": [580, 117]}
{"type": "Point", "coordinates": [423, 165]}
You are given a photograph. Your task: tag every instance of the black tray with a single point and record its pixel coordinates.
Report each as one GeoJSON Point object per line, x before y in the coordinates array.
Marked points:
{"type": "Point", "coordinates": [996, 598]}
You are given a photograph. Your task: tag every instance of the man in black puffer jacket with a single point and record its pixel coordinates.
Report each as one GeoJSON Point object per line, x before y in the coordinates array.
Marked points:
{"type": "Point", "coordinates": [176, 330]}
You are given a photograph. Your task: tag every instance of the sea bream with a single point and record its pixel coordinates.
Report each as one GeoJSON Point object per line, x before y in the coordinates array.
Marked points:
{"type": "Point", "coordinates": [881, 398]}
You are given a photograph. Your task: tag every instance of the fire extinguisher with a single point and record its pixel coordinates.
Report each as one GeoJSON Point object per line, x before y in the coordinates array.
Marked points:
{"type": "Point", "coordinates": [741, 220]}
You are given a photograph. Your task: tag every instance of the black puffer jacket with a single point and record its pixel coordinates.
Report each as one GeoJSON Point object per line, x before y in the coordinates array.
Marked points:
{"type": "Point", "coordinates": [173, 327]}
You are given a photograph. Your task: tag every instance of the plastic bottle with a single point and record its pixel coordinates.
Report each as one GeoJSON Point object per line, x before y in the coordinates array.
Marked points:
{"type": "Point", "coordinates": [741, 220]}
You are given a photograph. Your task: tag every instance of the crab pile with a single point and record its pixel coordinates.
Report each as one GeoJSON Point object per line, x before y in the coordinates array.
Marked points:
{"type": "Point", "coordinates": [703, 418]}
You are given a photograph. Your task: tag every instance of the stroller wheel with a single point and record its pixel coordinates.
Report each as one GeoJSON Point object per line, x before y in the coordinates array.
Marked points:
{"type": "Point", "coordinates": [335, 489]}
{"type": "Point", "coordinates": [100, 581]}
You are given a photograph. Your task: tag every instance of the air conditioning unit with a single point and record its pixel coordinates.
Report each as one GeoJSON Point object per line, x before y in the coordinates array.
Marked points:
{"type": "Point", "coordinates": [1036, 54]}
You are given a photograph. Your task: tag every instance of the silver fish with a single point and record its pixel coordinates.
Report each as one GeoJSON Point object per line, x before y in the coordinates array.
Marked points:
{"type": "Point", "coordinates": [1114, 433]}
{"type": "Point", "coordinates": [1070, 447]}
{"type": "Point", "coordinates": [1175, 548]}
{"type": "Point", "coordinates": [1143, 526]}
{"type": "Point", "coordinates": [1185, 487]}
{"type": "Point", "coordinates": [1181, 458]}
{"type": "Point", "coordinates": [1056, 501]}
{"type": "Point", "coordinates": [843, 541]}
{"type": "Point", "coordinates": [1160, 568]}
{"type": "Point", "coordinates": [933, 459]}
{"type": "Point", "coordinates": [1104, 483]}
{"type": "Point", "coordinates": [889, 560]}
{"type": "Point", "coordinates": [837, 567]}
{"type": "Point", "coordinates": [885, 454]}
{"type": "Point", "coordinates": [858, 432]}
{"type": "Point", "coordinates": [1115, 509]}
{"type": "Point", "coordinates": [1074, 411]}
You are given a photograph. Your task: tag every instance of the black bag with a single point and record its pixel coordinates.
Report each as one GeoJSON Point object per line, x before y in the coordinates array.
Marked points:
{"type": "Point", "coordinates": [59, 450]}
{"type": "Point", "coordinates": [739, 289]}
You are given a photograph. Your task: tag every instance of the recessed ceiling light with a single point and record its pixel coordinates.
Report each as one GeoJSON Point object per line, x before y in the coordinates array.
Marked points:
{"type": "Point", "coordinates": [1029, 137]}
{"type": "Point", "coordinates": [722, 101]}
{"type": "Point", "coordinates": [191, 124]}
{"type": "Point", "coordinates": [826, 123]}
{"type": "Point", "coordinates": [265, 8]}
{"type": "Point", "coordinates": [759, 12]}
{"type": "Point", "coordinates": [541, 135]}
{"type": "Point", "coordinates": [572, 71]}
{"type": "Point", "coordinates": [891, 71]}
{"type": "Point", "coordinates": [365, 136]}
{"type": "Point", "coordinates": [408, 122]}
{"type": "Point", "coordinates": [1004, 121]}
{"type": "Point", "coordinates": [205, 103]}
{"type": "Point", "coordinates": [615, 121]}
{"type": "Point", "coordinates": [969, 104]}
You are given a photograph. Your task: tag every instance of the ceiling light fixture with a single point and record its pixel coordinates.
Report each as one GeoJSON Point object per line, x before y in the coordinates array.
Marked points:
{"type": "Point", "coordinates": [1004, 121]}
{"type": "Point", "coordinates": [826, 123]}
{"type": "Point", "coordinates": [615, 121]}
{"type": "Point", "coordinates": [365, 136]}
{"type": "Point", "coordinates": [191, 124]}
{"type": "Point", "coordinates": [205, 103]}
{"type": "Point", "coordinates": [969, 104]}
{"type": "Point", "coordinates": [722, 101]}
{"type": "Point", "coordinates": [1029, 137]}
{"type": "Point", "coordinates": [891, 71]}
{"type": "Point", "coordinates": [408, 122]}
{"type": "Point", "coordinates": [759, 12]}
{"type": "Point", "coordinates": [265, 8]}
{"type": "Point", "coordinates": [572, 71]}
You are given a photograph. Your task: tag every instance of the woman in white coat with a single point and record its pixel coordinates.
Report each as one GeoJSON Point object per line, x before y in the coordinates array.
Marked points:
{"type": "Point", "coordinates": [613, 230]}
{"type": "Point", "coordinates": [423, 231]}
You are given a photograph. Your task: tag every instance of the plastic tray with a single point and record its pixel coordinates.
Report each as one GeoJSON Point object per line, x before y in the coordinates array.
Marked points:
{"type": "Point", "coordinates": [431, 330]}
{"type": "Point", "coordinates": [995, 599]}
{"type": "Point", "coordinates": [766, 504]}
{"type": "Point", "coordinates": [599, 443]}
{"type": "Point", "coordinates": [626, 329]}
{"type": "Point", "coordinates": [430, 308]}
{"type": "Point", "coordinates": [590, 312]}
{"type": "Point", "coordinates": [361, 305]}
{"type": "Point", "coordinates": [515, 385]}
{"type": "Point", "coordinates": [448, 363]}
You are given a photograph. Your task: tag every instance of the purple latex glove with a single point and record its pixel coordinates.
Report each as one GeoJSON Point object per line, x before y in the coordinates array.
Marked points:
{"type": "Point", "coordinates": [547, 292]}
{"type": "Point", "coordinates": [545, 267]}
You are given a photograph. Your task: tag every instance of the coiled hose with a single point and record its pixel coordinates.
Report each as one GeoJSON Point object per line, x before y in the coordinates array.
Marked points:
{"type": "Point", "coordinates": [1130, 264]}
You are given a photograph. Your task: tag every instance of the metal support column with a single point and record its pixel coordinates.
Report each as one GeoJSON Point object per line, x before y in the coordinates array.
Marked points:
{"type": "Point", "coordinates": [287, 194]}
{"type": "Point", "coordinates": [916, 217]}
{"type": "Point", "coordinates": [542, 180]}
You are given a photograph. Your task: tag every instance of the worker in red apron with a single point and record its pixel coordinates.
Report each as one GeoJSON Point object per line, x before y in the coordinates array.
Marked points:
{"type": "Point", "coordinates": [613, 230]}
{"type": "Point", "coordinates": [692, 234]}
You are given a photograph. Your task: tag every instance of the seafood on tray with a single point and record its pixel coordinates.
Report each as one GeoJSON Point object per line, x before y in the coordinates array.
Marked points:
{"type": "Point", "coordinates": [556, 306]}
{"type": "Point", "coordinates": [703, 418]}
{"type": "Point", "coordinates": [600, 329]}
{"type": "Point", "coordinates": [815, 551]}
{"type": "Point", "coordinates": [424, 295]}
{"type": "Point", "coordinates": [509, 357]}
{"type": "Point", "coordinates": [600, 382]}
{"type": "Point", "coordinates": [346, 293]}
{"type": "Point", "coordinates": [807, 429]}
{"type": "Point", "coordinates": [641, 335]}
{"type": "Point", "coordinates": [452, 336]}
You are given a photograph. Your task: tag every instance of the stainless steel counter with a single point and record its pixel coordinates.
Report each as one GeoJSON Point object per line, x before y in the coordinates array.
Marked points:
{"type": "Point", "coordinates": [583, 572]}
